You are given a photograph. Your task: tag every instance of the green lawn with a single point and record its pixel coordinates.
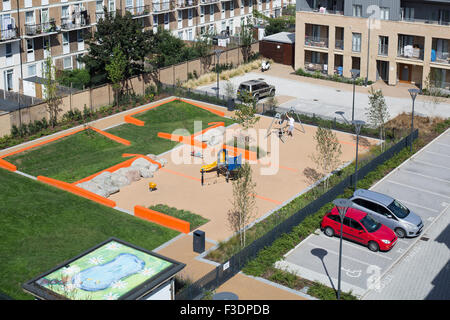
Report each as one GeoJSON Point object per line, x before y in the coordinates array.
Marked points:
{"type": "Point", "coordinates": [82, 154]}
{"type": "Point", "coordinates": [42, 226]}
{"type": "Point", "coordinates": [194, 220]}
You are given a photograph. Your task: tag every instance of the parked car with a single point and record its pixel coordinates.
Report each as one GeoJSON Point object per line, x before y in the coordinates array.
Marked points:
{"type": "Point", "coordinates": [389, 211]}
{"type": "Point", "coordinates": [256, 89]}
{"type": "Point", "coordinates": [360, 227]}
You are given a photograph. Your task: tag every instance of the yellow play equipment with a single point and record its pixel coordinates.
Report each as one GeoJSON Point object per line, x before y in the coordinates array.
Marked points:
{"type": "Point", "coordinates": [152, 186]}
{"type": "Point", "coordinates": [209, 167]}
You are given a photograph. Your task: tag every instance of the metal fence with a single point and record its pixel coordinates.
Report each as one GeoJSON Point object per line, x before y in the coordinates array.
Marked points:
{"type": "Point", "coordinates": [225, 271]}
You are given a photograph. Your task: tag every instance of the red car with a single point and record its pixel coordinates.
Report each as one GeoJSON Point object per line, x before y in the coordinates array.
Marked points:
{"type": "Point", "coordinates": [360, 227]}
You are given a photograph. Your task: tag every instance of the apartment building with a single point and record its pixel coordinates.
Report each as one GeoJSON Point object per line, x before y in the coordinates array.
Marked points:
{"type": "Point", "coordinates": [393, 40]}
{"type": "Point", "coordinates": [32, 30]}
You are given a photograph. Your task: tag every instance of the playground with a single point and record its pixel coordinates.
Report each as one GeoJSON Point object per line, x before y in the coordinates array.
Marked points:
{"type": "Point", "coordinates": [189, 148]}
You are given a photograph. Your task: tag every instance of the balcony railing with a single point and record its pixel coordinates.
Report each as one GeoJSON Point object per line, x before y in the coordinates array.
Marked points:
{"type": "Point", "coordinates": [139, 11]}
{"type": "Point", "coordinates": [426, 21]}
{"type": "Point", "coordinates": [186, 3]}
{"type": "Point", "coordinates": [312, 41]}
{"type": "Point", "coordinates": [440, 57]}
{"type": "Point", "coordinates": [101, 15]}
{"type": "Point", "coordinates": [9, 34]}
{"type": "Point", "coordinates": [163, 6]}
{"type": "Point", "coordinates": [204, 2]}
{"type": "Point", "coordinates": [316, 67]}
{"type": "Point", "coordinates": [410, 53]}
{"type": "Point", "coordinates": [383, 49]}
{"type": "Point", "coordinates": [329, 11]}
{"type": "Point", "coordinates": [41, 28]}
{"type": "Point", "coordinates": [75, 22]}
{"type": "Point", "coordinates": [339, 44]}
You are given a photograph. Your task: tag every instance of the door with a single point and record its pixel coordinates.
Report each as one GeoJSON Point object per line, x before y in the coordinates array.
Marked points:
{"type": "Point", "coordinates": [348, 231]}
{"type": "Point", "coordinates": [405, 71]}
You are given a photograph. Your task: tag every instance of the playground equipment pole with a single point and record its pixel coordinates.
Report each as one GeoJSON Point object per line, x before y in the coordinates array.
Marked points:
{"type": "Point", "coordinates": [202, 177]}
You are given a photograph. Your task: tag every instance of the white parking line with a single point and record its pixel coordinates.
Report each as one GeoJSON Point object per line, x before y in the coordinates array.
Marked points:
{"type": "Point", "coordinates": [438, 154]}
{"type": "Point", "coordinates": [419, 189]}
{"type": "Point", "coordinates": [431, 164]}
{"type": "Point", "coordinates": [444, 144]}
{"type": "Point", "coordinates": [336, 253]}
{"type": "Point", "coordinates": [417, 205]}
{"type": "Point", "coordinates": [426, 176]}
{"type": "Point", "coordinates": [362, 248]}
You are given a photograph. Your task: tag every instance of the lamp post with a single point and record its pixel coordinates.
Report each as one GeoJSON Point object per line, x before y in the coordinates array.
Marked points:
{"type": "Point", "coordinates": [358, 124]}
{"type": "Point", "coordinates": [355, 74]}
{"type": "Point", "coordinates": [218, 52]}
{"type": "Point", "coordinates": [413, 92]}
{"type": "Point", "coordinates": [342, 205]}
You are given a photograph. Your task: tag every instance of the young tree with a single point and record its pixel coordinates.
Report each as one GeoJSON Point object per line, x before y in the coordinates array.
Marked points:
{"type": "Point", "coordinates": [116, 71]}
{"type": "Point", "coordinates": [52, 98]}
{"type": "Point", "coordinates": [203, 49]}
{"type": "Point", "coordinates": [328, 151]}
{"type": "Point", "coordinates": [246, 40]}
{"type": "Point", "coordinates": [243, 203]}
{"type": "Point", "coordinates": [377, 112]}
{"type": "Point", "coordinates": [434, 91]}
{"type": "Point", "coordinates": [246, 112]}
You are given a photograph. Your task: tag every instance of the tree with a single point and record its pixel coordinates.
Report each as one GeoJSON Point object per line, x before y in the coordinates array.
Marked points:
{"type": "Point", "coordinates": [203, 49]}
{"type": "Point", "coordinates": [328, 151]}
{"type": "Point", "coordinates": [377, 112]}
{"type": "Point", "coordinates": [246, 112]}
{"type": "Point", "coordinates": [116, 70]}
{"type": "Point", "coordinates": [243, 203]}
{"type": "Point", "coordinates": [52, 98]}
{"type": "Point", "coordinates": [433, 90]}
{"type": "Point", "coordinates": [112, 31]}
{"type": "Point", "coordinates": [246, 40]}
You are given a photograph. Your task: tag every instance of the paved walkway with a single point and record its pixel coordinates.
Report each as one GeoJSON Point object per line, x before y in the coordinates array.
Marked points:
{"type": "Point", "coordinates": [323, 97]}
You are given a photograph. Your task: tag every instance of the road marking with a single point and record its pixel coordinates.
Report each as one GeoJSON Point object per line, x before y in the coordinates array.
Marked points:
{"type": "Point", "coordinates": [363, 248]}
{"type": "Point", "coordinates": [343, 256]}
{"type": "Point", "coordinates": [444, 144]}
{"type": "Point", "coordinates": [438, 154]}
{"type": "Point", "coordinates": [426, 176]}
{"type": "Point", "coordinates": [431, 164]}
{"type": "Point", "coordinates": [417, 205]}
{"type": "Point", "coordinates": [419, 189]}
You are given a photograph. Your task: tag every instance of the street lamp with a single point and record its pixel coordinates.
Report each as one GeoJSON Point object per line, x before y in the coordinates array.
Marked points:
{"type": "Point", "coordinates": [342, 205]}
{"type": "Point", "coordinates": [218, 52]}
{"type": "Point", "coordinates": [341, 113]}
{"type": "Point", "coordinates": [413, 92]}
{"type": "Point", "coordinates": [355, 74]}
{"type": "Point", "coordinates": [358, 124]}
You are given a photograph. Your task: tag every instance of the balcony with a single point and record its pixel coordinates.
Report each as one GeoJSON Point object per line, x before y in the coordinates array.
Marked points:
{"type": "Point", "coordinates": [410, 52]}
{"type": "Point", "coordinates": [316, 67]}
{"type": "Point", "coordinates": [163, 6]}
{"type": "Point", "coordinates": [41, 29]}
{"type": "Point", "coordinates": [183, 4]}
{"type": "Point", "coordinates": [312, 41]}
{"type": "Point", "coordinates": [439, 51]}
{"type": "Point", "coordinates": [9, 35]}
{"type": "Point", "coordinates": [141, 11]}
{"type": "Point", "coordinates": [77, 21]}
{"type": "Point", "coordinates": [207, 2]}
{"type": "Point", "coordinates": [410, 47]}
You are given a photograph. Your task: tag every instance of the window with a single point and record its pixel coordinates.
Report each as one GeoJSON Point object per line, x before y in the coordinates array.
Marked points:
{"type": "Point", "coordinates": [355, 224]}
{"type": "Point", "coordinates": [80, 65]}
{"type": "Point", "coordinates": [347, 221]}
{"type": "Point", "coordinates": [30, 45]}
{"type": "Point", "coordinates": [67, 63]}
{"type": "Point", "coordinates": [202, 11]}
{"type": "Point", "coordinates": [31, 70]}
{"type": "Point", "coordinates": [356, 42]}
{"type": "Point", "coordinates": [29, 17]}
{"type": "Point", "coordinates": [111, 5]}
{"type": "Point", "coordinates": [180, 35]}
{"type": "Point", "coordinates": [384, 13]}
{"type": "Point", "coordinates": [6, 5]}
{"type": "Point", "coordinates": [190, 13]}
{"type": "Point", "coordinates": [8, 48]}
{"type": "Point", "coordinates": [44, 16]}
{"type": "Point", "coordinates": [211, 12]}
{"type": "Point", "coordinates": [366, 204]}
{"type": "Point", "coordinates": [315, 57]}
{"type": "Point", "coordinates": [155, 20]}
{"type": "Point", "coordinates": [231, 6]}
{"type": "Point", "coordinates": [64, 11]}
{"type": "Point", "coordinates": [65, 38]}
{"type": "Point", "coordinates": [166, 18]}
{"type": "Point", "coordinates": [399, 209]}
{"type": "Point", "coordinates": [8, 74]}
{"type": "Point", "coordinates": [180, 18]}
{"type": "Point", "coordinates": [335, 217]}
{"type": "Point", "coordinates": [383, 43]}
{"type": "Point", "coordinates": [357, 10]}
{"type": "Point", "coordinates": [407, 13]}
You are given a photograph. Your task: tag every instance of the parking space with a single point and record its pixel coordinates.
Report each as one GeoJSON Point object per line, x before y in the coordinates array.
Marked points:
{"type": "Point", "coordinates": [422, 183]}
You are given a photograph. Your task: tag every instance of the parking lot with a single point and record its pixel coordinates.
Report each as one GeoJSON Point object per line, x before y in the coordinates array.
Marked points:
{"type": "Point", "coordinates": [422, 183]}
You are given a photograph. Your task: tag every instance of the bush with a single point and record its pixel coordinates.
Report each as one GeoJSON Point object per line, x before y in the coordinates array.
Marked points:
{"type": "Point", "coordinates": [318, 75]}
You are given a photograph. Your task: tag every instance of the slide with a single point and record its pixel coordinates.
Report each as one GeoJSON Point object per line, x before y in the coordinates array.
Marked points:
{"type": "Point", "coordinates": [210, 167]}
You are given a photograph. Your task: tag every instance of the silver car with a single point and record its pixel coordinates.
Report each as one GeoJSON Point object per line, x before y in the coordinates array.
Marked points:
{"type": "Point", "coordinates": [388, 211]}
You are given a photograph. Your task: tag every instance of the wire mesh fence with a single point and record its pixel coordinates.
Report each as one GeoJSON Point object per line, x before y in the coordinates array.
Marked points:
{"type": "Point", "coordinates": [225, 271]}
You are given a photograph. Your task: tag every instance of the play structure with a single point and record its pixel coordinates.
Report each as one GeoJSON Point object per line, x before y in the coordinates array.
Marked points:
{"type": "Point", "coordinates": [225, 165]}
{"type": "Point", "coordinates": [280, 123]}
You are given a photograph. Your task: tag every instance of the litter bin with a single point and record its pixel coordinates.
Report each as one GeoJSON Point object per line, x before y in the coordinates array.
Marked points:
{"type": "Point", "coordinates": [231, 104]}
{"type": "Point", "coordinates": [199, 241]}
